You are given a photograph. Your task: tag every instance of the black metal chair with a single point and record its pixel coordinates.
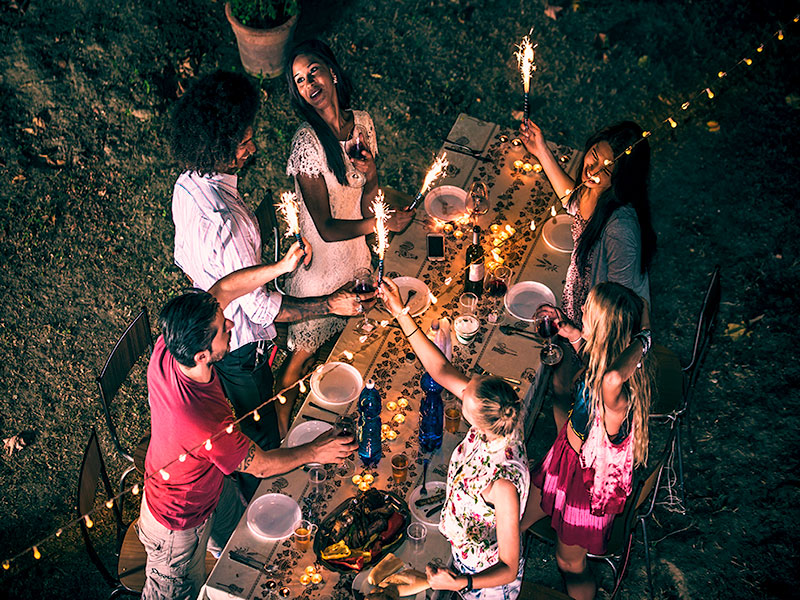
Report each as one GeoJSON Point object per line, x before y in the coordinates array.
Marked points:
{"type": "Point", "coordinates": [127, 577]}
{"type": "Point", "coordinates": [706, 322]}
{"type": "Point", "coordinates": [135, 341]}
{"type": "Point", "coordinates": [638, 509]}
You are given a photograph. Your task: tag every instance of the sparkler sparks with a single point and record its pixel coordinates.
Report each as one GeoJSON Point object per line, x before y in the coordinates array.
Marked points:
{"type": "Point", "coordinates": [382, 212]}
{"type": "Point", "coordinates": [289, 211]}
{"type": "Point", "coordinates": [525, 62]}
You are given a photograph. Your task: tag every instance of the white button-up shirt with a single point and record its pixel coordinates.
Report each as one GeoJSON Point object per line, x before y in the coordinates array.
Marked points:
{"type": "Point", "coordinates": [216, 234]}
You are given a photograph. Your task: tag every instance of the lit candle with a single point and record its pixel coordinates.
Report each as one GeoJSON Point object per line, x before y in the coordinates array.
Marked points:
{"type": "Point", "coordinates": [310, 570]}
{"type": "Point", "coordinates": [494, 227]}
{"type": "Point", "coordinates": [391, 405]}
{"type": "Point", "coordinates": [284, 592]}
{"type": "Point", "coordinates": [503, 139]}
{"type": "Point", "coordinates": [518, 165]}
{"type": "Point", "coordinates": [316, 578]}
{"type": "Point", "coordinates": [356, 479]}
{"type": "Point", "coordinates": [510, 230]}
{"type": "Point", "coordinates": [491, 265]}
{"type": "Point", "coordinates": [458, 234]}
{"type": "Point", "coordinates": [533, 225]}
{"type": "Point", "coordinates": [391, 435]}
{"type": "Point", "coordinates": [503, 235]}
{"type": "Point", "coordinates": [305, 579]}
{"type": "Point", "coordinates": [537, 168]}
{"type": "Point", "coordinates": [448, 228]}
{"type": "Point", "coordinates": [527, 168]}
{"type": "Point", "coordinates": [367, 478]}
{"type": "Point", "coordinates": [399, 418]}
{"type": "Point", "coordinates": [385, 427]}
{"type": "Point", "coordinates": [553, 211]}
{"type": "Point", "coordinates": [363, 486]}
{"type": "Point", "coordinates": [402, 403]}
{"type": "Point", "coordinates": [516, 142]}
{"type": "Point", "coordinates": [497, 241]}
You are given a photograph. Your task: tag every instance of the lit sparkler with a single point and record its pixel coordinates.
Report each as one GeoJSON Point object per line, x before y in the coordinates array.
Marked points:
{"type": "Point", "coordinates": [436, 171]}
{"type": "Point", "coordinates": [289, 211]}
{"type": "Point", "coordinates": [525, 58]}
{"type": "Point", "coordinates": [382, 212]}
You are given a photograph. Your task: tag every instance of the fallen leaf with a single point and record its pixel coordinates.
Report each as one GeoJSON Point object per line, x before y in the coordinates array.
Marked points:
{"type": "Point", "coordinates": [38, 122]}
{"type": "Point", "coordinates": [552, 11]}
{"type": "Point", "coordinates": [736, 331]}
{"type": "Point", "coordinates": [376, 75]}
{"type": "Point", "coordinates": [643, 60]}
{"type": "Point", "coordinates": [18, 178]}
{"type": "Point", "coordinates": [12, 444]}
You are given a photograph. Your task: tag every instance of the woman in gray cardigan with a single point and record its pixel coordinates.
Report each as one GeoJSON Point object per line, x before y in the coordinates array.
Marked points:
{"type": "Point", "coordinates": [612, 231]}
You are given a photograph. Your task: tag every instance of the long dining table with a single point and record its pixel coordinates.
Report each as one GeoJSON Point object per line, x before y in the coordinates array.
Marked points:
{"type": "Point", "coordinates": [476, 151]}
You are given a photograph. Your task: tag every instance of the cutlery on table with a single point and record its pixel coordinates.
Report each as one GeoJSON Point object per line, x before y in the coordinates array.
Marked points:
{"type": "Point", "coordinates": [323, 409]}
{"type": "Point", "coordinates": [462, 146]}
{"type": "Point", "coordinates": [434, 510]}
{"type": "Point", "coordinates": [425, 463]}
{"type": "Point", "coordinates": [310, 418]}
{"type": "Point", "coordinates": [250, 562]}
{"type": "Point", "coordinates": [481, 371]}
{"type": "Point", "coordinates": [411, 294]}
{"type": "Point", "coordinates": [509, 330]}
{"type": "Point", "coordinates": [471, 153]}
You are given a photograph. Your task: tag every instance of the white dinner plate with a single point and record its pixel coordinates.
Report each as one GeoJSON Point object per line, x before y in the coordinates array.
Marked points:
{"type": "Point", "coordinates": [557, 232]}
{"type": "Point", "coordinates": [523, 298]}
{"type": "Point", "coordinates": [336, 384]}
{"type": "Point", "coordinates": [446, 203]}
{"type": "Point", "coordinates": [273, 516]}
{"type": "Point", "coordinates": [306, 432]}
{"type": "Point", "coordinates": [363, 587]}
{"type": "Point", "coordinates": [419, 511]}
{"type": "Point", "coordinates": [420, 301]}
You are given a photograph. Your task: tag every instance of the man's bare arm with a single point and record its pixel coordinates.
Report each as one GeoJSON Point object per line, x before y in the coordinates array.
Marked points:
{"type": "Point", "coordinates": [326, 449]}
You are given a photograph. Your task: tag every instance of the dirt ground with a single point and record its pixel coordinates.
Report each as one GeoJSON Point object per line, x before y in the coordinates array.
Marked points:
{"type": "Point", "coordinates": [86, 231]}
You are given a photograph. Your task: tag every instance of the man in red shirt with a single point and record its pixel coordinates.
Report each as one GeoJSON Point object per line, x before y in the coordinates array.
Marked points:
{"type": "Point", "coordinates": [190, 503]}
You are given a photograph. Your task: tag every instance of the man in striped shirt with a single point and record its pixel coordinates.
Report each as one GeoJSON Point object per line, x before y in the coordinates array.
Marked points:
{"type": "Point", "coordinates": [216, 233]}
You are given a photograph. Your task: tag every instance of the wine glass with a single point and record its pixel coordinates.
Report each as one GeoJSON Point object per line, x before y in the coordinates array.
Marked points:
{"type": "Point", "coordinates": [478, 199]}
{"type": "Point", "coordinates": [364, 283]}
{"type": "Point", "coordinates": [547, 328]}
{"type": "Point", "coordinates": [353, 146]}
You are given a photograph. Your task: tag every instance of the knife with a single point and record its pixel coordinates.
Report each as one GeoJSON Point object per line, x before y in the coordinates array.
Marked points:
{"type": "Point", "coordinates": [477, 156]}
{"type": "Point", "coordinates": [250, 562]}
{"type": "Point", "coordinates": [310, 418]}
{"type": "Point", "coordinates": [509, 330]}
{"type": "Point", "coordinates": [323, 409]}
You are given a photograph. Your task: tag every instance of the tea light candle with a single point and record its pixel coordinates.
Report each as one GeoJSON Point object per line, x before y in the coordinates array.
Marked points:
{"type": "Point", "coordinates": [503, 235]}
{"type": "Point", "coordinates": [363, 486]}
{"type": "Point", "coordinates": [271, 584]}
{"type": "Point", "coordinates": [399, 418]}
{"type": "Point", "coordinates": [391, 435]}
{"type": "Point", "coordinates": [458, 234]}
{"type": "Point", "coordinates": [305, 579]}
{"type": "Point", "coordinates": [510, 230]}
{"type": "Point", "coordinates": [316, 578]}
{"type": "Point", "coordinates": [367, 478]}
{"type": "Point", "coordinates": [310, 570]}
{"type": "Point", "coordinates": [357, 479]}
{"type": "Point", "coordinates": [402, 403]}
{"type": "Point", "coordinates": [448, 228]}
{"type": "Point", "coordinates": [497, 258]}
{"type": "Point", "coordinates": [284, 592]}
{"type": "Point", "coordinates": [391, 405]}
{"type": "Point", "coordinates": [516, 142]}
{"type": "Point", "coordinates": [537, 168]}
{"type": "Point", "coordinates": [564, 158]}
{"type": "Point", "coordinates": [518, 165]}
{"type": "Point", "coordinates": [527, 168]}
{"type": "Point", "coordinates": [497, 241]}
{"type": "Point", "coordinates": [503, 139]}
{"type": "Point", "coordinates": [385, 427]}
{"type": "Point", "coordinates": [491, 265]}
{"type": "Point", "coordinates": [494, 227]}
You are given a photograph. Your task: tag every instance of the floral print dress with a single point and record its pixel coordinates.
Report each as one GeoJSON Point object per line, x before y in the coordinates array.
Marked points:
{"type": "Point", "coordinates": [468, 522]}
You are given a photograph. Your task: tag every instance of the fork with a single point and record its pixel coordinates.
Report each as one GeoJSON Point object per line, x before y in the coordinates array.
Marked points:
{"type": "Point", "coordinates": [425, 462]}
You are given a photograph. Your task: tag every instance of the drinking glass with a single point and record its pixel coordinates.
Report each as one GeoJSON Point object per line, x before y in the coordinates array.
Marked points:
{"type": "Point", "coordinates": [547, 328]}
{"type": "Point", "coordinates": [303, 532]}
{"type": "Point", "coordinates": [478, 199]}
{"type": "Point", "coordinates": [364, 283]}
{"type": "Point", "coordinates": [399, 467]}
{"type": "Point", "coordinates": [466, 323]}
{"type": "Point", "coordinates": [498, 280]}
{"type": "Point", "coordinates": [417, 532]}
{"type": "Point", "coordinates": [355, 143]}
{"type": "Point", "coordinates": [452, 418]}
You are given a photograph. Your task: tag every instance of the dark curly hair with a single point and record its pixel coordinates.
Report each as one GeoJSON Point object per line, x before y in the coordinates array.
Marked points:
{"type": "Point", "coordinates": [186, 323]}
{"type": "Point", "coordinates": [344, 92]}
{"type": "Point", "coordinates": [210, 120]}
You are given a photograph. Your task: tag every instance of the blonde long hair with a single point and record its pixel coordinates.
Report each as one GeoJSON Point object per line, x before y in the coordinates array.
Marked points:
{"type": "Point", "coordinates": [612, 315]}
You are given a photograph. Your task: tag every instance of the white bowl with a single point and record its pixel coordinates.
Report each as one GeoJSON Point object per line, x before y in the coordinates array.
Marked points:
{"type": "Point", "coordinates": [336, 384]}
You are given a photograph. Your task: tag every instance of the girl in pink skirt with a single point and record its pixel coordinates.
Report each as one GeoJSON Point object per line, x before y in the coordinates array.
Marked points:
{"type": "Point", "coordinates": [584, 480]}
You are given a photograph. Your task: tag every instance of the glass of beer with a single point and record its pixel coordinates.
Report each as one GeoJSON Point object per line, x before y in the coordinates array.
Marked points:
{"type": "Point", "coordinates": [452, 418]}
{"type": "Point", "coordinates": [303, 532]}
{"type": "Point", "coordinates": [399, 467]}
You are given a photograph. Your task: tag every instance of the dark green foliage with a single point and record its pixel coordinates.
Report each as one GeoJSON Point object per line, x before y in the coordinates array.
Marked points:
{"type": "Point", "coordinates": [264, 14]}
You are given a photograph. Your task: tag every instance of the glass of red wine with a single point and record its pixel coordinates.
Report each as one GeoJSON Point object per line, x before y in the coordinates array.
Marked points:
{"type": "Point", "coordinates": [353, 147]}
{"type": "Point", "coordinates": [547, 328]}
{"type": "Point", "coordinates": [364, 283]}
{"type": "Point", "coordinates": [498, 280]}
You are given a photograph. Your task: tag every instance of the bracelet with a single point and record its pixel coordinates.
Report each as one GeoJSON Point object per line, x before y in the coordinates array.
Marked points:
{"type": "Point", "coordinates": [646, 339]}
{"type": "Point", "coordinates": [468, 587]}
{"type": "Point", "coordinates": [413, 331]}
{"type": "Point", "coordinates": [404, 311]}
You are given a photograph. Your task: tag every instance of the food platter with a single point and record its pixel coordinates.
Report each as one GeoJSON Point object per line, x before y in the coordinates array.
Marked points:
{"type": "Point", "coordinates": [362, 587]}
{"type": "Point", "coordinates": [361, 523]}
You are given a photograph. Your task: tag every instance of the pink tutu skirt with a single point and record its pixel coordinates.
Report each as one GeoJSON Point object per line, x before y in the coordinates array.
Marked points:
{"type": "Point", "coordinates": [566, 499]}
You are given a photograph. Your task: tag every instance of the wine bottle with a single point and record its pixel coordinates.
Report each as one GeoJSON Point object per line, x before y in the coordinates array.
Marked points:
{"type": "Point", "coordinates": [475, 269]}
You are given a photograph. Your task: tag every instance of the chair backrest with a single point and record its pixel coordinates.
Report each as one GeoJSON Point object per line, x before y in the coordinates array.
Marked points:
{"type": "Point", "coordinates": [134, 342]}
{"type": "Point", "coordinates": [669, 382]}
{"type": "Point", "coordinates": [269, 228]}
{"type": "Point", "coordinates": [92, 472]}
{"type": "Point", "coordinates": [705, 326]}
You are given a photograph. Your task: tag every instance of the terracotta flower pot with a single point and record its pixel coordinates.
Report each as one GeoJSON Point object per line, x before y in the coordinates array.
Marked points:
{"type": "Point", "coordinates": [261, 50]}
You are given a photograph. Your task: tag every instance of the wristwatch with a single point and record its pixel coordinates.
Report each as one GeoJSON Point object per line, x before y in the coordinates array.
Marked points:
{"type": "Point", "coordinates": [468, 587]}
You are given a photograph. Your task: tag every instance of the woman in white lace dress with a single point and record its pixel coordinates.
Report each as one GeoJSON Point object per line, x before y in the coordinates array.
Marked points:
{"type": "Point", "coordinates": [335, 191]}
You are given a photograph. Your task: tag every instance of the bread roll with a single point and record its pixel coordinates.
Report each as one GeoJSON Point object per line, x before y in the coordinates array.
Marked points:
{"type": "Point", "coordinates": [388, 565]}
{"type": "Point", "coordinates": [409, 582]}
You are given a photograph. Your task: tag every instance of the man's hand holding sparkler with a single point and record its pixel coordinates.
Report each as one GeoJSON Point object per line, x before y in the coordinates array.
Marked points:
{"type": "Point", "coordinates": [294, 256]}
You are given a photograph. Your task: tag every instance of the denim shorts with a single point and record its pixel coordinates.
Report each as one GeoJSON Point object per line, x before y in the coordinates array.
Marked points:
{"type": "Point", "coordinates": [509, 591]}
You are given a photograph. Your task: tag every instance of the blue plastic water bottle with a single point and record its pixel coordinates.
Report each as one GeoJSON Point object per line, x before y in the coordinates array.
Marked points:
{"type": "Point", "coordinates": [369, 425]}
{"type": "Point", "coordinates": [431, 415]}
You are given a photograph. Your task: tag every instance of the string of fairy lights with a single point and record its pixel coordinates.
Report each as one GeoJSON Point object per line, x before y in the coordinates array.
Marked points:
{"type": "Point", "coordinates": [526, 62]}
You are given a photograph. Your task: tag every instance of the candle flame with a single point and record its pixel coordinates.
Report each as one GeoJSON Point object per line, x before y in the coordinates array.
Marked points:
{"type": "Point", "coordinates": [436, 171]}
{"type": "Point", "coordinates": [382, 212]}
{"type": "Point", "coordinates": [525, 57]}
{"type": "Point", "coordinates": [289, 211]}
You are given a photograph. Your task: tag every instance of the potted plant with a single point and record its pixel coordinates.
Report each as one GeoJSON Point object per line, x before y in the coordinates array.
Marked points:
{"type": "Point", "coordinates": [263, 29]}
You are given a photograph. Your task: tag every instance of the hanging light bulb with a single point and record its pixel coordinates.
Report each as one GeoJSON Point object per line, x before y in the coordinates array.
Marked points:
{"type": "Point", "coordinates": [780, 34]}
{"type": "Point", "coordinates": [164, 474]}
{"type": "Point", "coordinates": [760, 48]}
{"type": "Point", "coordinates": [645, 134]}
{"type": "Point", "coordinates": [135, 490]}
{"type": "Point", "coordinates": [748, 61]}
{"type": "Point", "coordinates": [672, 122]}
{"type": "Point", "coordinates": [109, 504]}
{"type": "Point", "coordinates": [303, 387]}
{"type": "Point", "coordinates": [256, 416]}
{"type": "Point", "coordinates": [229, 429]}
{"type": "Point", "coordinates": [208, 444]}
{"type": "Point", "coordinates": [684, 106]}
{"type": "Point", "coordinates": [88, 520]}
{"type": "Point", "coordinates": [6, 565]}
{"type": "Point", "coordinates": [182, 457]}
{"type": "Point", "coordinates": [281, 398]}
{"type": "Point", "coordinates": [36, 554]}
{"type": "Point", "coordinates": [59, 532]}
{"type": "Point", "coordinates": [709, 93]}
{"type": "Point", "coordinates": [629, 149]}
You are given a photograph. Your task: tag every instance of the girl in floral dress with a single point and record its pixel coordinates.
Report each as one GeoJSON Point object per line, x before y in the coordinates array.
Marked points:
{"type": "Point", "coordinates": [487, 480]}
